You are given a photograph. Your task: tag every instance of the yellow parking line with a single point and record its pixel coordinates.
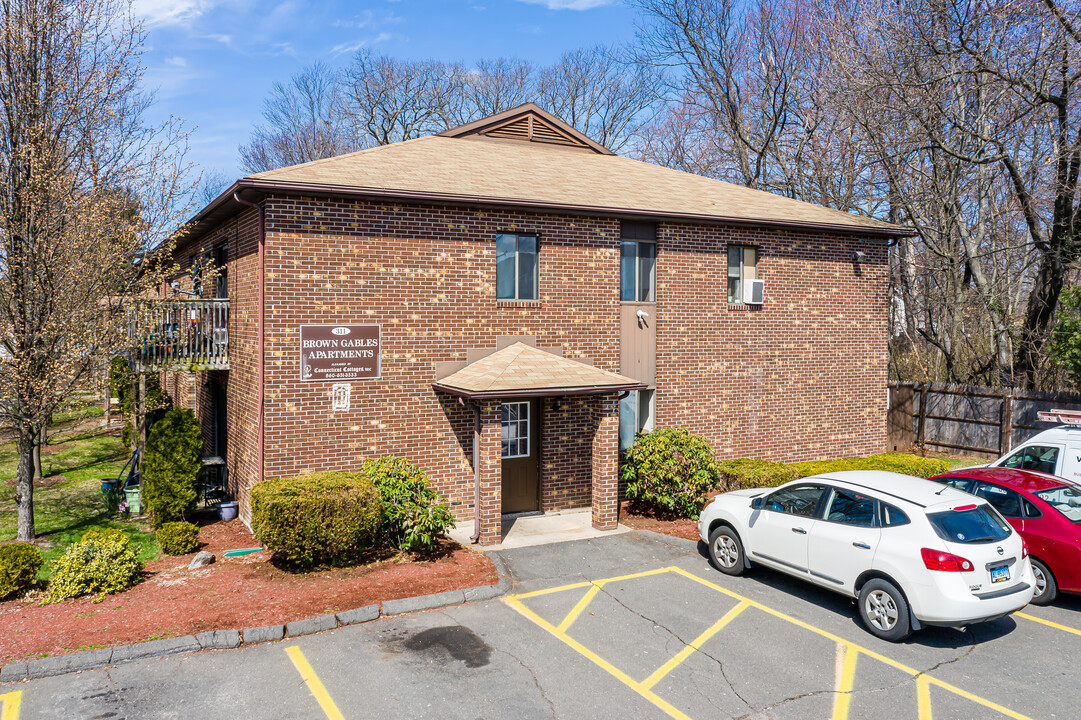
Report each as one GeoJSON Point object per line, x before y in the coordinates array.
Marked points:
{"type": "Point", "coordinates": [315, 685]}
{"type": "Point", "coordinates": [577, 609]}
{"type": "Point", "coordinates": [923, 697]}
{"type": "Point", "coordinates": [546, 591]}
{"type": "Point", "coordinates": [851, 645]}
{"type": "Point", "coordinates": [597, 659]}
{"type": "Point", "coordinates": [1055, 625]}
{"type": "Point", "coordinates": [695, 644]}
{"type": "Point", "coordinates": [9, 705]}
{"type": "Point", "coordinates": [845, 682]}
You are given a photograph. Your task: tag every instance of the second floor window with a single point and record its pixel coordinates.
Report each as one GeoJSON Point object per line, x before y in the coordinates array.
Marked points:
{"type": "Point", "coordinates": [742, 266]}
{"type": "Point", "coordinates": [637, 268]}
{"type": "Point", "coordinates": [516, 267]}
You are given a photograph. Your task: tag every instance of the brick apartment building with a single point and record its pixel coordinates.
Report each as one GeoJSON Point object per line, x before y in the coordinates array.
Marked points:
{"type": "Point", "coordinates": [507, 303]}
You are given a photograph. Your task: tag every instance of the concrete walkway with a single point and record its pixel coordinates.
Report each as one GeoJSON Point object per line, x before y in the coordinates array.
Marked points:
{"type": "Point", "coordinates": [528, 530]}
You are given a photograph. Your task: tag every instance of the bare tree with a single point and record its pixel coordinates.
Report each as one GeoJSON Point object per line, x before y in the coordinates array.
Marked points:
{"type": "Point", "coordinates": [85, 190]}
{"type": "Point", "coordinates": [305, 119]}
{"type": "Point", "coordinates": [390, 100]}
{"type": "Point", "coordinates": [601, 92]}
{"type": "Point", "coordinates": [212, 184]}
{"type": "Point", "coordinates": [496, 85]}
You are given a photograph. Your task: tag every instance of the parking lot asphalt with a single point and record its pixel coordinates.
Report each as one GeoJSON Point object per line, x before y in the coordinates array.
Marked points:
{"type": "Point", "coordinates": [630, 625]}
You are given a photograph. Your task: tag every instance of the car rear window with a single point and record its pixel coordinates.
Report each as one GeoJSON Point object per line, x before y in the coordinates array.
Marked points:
{"type": "Point", "coordinates": [971, 524]}
{"type": "Point", "coordinates": [1066, 499]}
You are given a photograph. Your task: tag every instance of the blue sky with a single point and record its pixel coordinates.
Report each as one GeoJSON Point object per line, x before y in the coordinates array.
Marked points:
{"type": "Point", "coordinates": [212, 62]}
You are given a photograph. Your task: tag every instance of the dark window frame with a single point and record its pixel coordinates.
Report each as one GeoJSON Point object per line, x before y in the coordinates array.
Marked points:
{"type": "Point", "coordinates": [828, 502]}
{"type": "Point", "coordinates": [737, 297]}
{"type": "Point", "coordinates": [517, 266]}
{"type": "Point", "coordinates": [816, 514]}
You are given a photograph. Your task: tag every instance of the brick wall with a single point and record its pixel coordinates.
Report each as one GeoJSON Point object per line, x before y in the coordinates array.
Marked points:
{"type": "Point", "coordinates": [802, 377]}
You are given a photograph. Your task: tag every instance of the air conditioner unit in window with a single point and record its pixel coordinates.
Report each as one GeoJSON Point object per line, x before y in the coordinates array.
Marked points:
{"type": "Point", "coordinates": [753, 291]}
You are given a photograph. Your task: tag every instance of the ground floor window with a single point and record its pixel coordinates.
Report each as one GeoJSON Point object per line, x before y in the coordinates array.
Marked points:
{"type": "Point", "coordinates": [515, 430]}
{"type": "Point", "coordinates": [635, 416]}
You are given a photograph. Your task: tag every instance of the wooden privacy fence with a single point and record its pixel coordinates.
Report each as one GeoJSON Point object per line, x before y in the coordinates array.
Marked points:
{"type": "Point", "coordinates": [981, 420]}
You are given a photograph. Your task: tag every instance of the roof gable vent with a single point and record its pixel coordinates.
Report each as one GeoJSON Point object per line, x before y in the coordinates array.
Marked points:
{"type": "Point", "coordinates": [527, 123]}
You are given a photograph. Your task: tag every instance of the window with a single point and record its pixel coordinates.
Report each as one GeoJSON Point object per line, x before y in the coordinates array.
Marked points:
{"type": "Point", "coordinates": [801, 500]}
{"type": "Point", "coordinates": [637, 271]}
{"type": "Point", "coordinates": [221, 263]}
{"type": "Point", "coordinates": [974, 524]}
{"type": "Point", "coordinates": [516, 267]}
{"type": "Point", "coordinates": [1041, 458]}
{"type": "Point", "coordinates": [515, 430]}
{"type": "Point", "coordinates": [637, 261]}
{"type": "Point", "coordinates": [851, 508]}
{"type": "Point", "coordinates": [1065, 499]}
{"type": "Point", "coordinates": [962, 484]}
{"type": "Point", "coordinates": [742, 265]}
{"type": "Point", "coordinates": [892, 517]}
{"type": "Point", "coordinates": [635, 416]}
{"type": "Point", "coordinates": [1005, 501]}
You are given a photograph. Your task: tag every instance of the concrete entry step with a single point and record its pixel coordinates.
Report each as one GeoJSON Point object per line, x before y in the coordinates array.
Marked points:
{"type": "Point", "coordinates": [529, 529]}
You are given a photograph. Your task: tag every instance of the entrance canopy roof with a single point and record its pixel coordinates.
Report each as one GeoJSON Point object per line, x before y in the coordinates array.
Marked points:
{"type": "Point", "coordinates": [521, 370]}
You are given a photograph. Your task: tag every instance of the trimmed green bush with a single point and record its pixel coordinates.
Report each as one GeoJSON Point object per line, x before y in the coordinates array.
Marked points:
{"type": "Point", "coordinates": [891, 462]}
{"type": "Point", "coordinates": [671, 469]}
{"type": "Point", "coordinates": [321, 518]}
{"type": "Point", "coordinates": [412, 513]}
{"type": "Point", "coordinates": [19, 563]}
{"type": "Point", "coordinates": [178, 538]}
{"type": "Point", "coordinates": [103, 566]}
{"type": "Point", "coordinates": [103, 533]}
{"type": "Point", "coordinates": [171, 468]}
{"type": "Point", "coordinates": [754, 473]}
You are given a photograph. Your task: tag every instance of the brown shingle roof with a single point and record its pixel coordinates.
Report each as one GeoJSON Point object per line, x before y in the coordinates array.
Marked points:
{"type": "Point", "coordinates": [479, 169]}
{"type": "Point", "coordinates": [521, 370]}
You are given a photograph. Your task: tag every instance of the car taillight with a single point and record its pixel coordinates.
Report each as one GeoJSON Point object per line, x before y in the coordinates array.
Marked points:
{"type": "Point", "coordinates": [944, 561]}
{"type": "Point", "coordinates": [1024, 549]}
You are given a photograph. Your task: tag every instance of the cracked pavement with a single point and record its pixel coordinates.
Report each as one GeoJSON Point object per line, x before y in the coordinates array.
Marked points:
{"type": "Point", "coordinates": [489, 660]}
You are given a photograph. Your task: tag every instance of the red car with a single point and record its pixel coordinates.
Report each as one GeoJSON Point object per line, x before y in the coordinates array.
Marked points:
{"type": "Point", "coordinates": [1044, 509]}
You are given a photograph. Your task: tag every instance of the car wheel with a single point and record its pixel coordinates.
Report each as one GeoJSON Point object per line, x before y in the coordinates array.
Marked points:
{"type": "Point", "coordinates": [1046, 587]}
{"type": "Point", "coordinates": [726, 551]}
{"type": "Point", "coordinates": [884, 610]}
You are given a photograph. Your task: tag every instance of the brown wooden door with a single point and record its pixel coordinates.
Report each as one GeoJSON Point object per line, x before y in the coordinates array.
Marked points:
{"type": "Point", "coordinates": [638, 342]}
{"type": "Point", "coordinates": [521, 454]}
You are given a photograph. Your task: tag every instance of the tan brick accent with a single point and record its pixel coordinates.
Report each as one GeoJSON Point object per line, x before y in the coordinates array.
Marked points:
{"type": "Point", "coordinates": [605, 455]}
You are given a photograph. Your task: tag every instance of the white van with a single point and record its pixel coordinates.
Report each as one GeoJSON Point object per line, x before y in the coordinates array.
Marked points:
{"type": "Point", "coordinates": [1056, 451]}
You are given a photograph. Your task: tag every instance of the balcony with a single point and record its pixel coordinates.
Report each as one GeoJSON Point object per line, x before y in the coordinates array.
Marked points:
{"type": "Point", "coordinates": [179, 335]}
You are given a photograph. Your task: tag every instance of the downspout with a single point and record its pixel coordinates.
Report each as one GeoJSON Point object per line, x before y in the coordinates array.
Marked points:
{"type": "Point", "coordinates": [259, 382]}
{"type": "Point", "coordinates": [476, 468]}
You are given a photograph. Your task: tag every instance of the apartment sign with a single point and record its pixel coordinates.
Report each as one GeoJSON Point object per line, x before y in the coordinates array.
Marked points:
{"type": "Point", "coordinates": [339, 352]}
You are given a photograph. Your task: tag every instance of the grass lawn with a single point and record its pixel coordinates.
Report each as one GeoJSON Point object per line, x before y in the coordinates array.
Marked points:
{"type": "Point", "coordinates": [63, 512]}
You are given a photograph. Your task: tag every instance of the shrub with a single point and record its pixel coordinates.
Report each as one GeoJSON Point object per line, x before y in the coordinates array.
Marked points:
{"type": "Point", "coordinates": [754, 473]}
{"type": "Point", "coordinates": [671, 469]}
{"type": "Point", "coordinates": [412, 513]}
{"type": "Point", "coordinates": [892, 462]}
{"type": "Point", "coordinates": [178, 538]}
{"type": "Point", "coordinates": [171, 468]}
{"type": "Point", "coordinates": [102, 566]}
{"type": "Point", "coordinates": [103, 533]}
{"type": "Point", "coordinates": [319, 518]}
{"type": "Point", "coordinates": [19, 563]}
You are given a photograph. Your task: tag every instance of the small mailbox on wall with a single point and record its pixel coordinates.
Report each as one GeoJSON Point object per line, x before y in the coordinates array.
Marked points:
{"type": "Point", "coordinates": [340, 352]}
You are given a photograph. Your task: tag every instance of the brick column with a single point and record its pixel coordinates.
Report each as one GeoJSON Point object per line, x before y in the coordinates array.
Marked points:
{"type": "Point", "coordinates": [491, 474]}
{"type": "Point", "coordinates": [605, 482]}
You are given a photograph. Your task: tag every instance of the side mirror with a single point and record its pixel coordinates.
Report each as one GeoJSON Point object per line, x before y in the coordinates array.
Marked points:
{"type": "Point", "coordinates": [758, 503]}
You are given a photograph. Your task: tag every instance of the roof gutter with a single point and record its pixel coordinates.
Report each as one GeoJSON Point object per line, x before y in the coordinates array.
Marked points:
{"type": "Point", "coordinates": [259, 333]}
{"type": "Point", "coordinates": [569, 208]}
{"type": "Point", "coordinates": [538, 392]}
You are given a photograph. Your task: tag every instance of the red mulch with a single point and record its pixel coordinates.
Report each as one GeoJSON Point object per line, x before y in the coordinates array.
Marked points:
{"type": "Point", "coordinates": [233, 593]}
{"type": "Point", "coordinates": [46, 482]}
{"type": "Point", "coordinates": [644, 517]}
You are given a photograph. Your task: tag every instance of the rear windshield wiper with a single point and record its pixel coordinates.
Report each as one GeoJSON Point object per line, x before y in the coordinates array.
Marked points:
{"type": "Point", "coordinates": [985, 538]}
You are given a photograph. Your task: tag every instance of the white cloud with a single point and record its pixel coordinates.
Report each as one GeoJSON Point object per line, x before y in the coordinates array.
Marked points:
{"type": "Point", "coordinates": [177, 61]}
{"type": "Point", "coordinates": [171, 12]}
{"type": "Point", "coordinates": [569, 4]}
{"type": "Point", "coordinates": [351, 47]}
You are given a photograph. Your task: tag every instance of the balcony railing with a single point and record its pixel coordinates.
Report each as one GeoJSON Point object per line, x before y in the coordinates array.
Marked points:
{"type": "Point", "coordinates": [179, 335]}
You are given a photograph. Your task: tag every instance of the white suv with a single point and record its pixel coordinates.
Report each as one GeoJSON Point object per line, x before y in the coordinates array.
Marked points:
{"type": "Point", "coordinates": [912, 551]}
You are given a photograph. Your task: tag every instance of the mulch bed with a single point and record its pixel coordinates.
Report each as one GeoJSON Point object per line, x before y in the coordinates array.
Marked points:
{"type": "Point", "coordinates": [46, 482]}
{"type": "Point", "coordinates": [643, 517]}
{"type": "Point", "coordinates": [233, 593]}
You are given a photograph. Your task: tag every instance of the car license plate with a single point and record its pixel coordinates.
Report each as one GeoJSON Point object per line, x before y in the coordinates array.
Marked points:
{"type": "Point", "coordinates": [1000, 573]}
